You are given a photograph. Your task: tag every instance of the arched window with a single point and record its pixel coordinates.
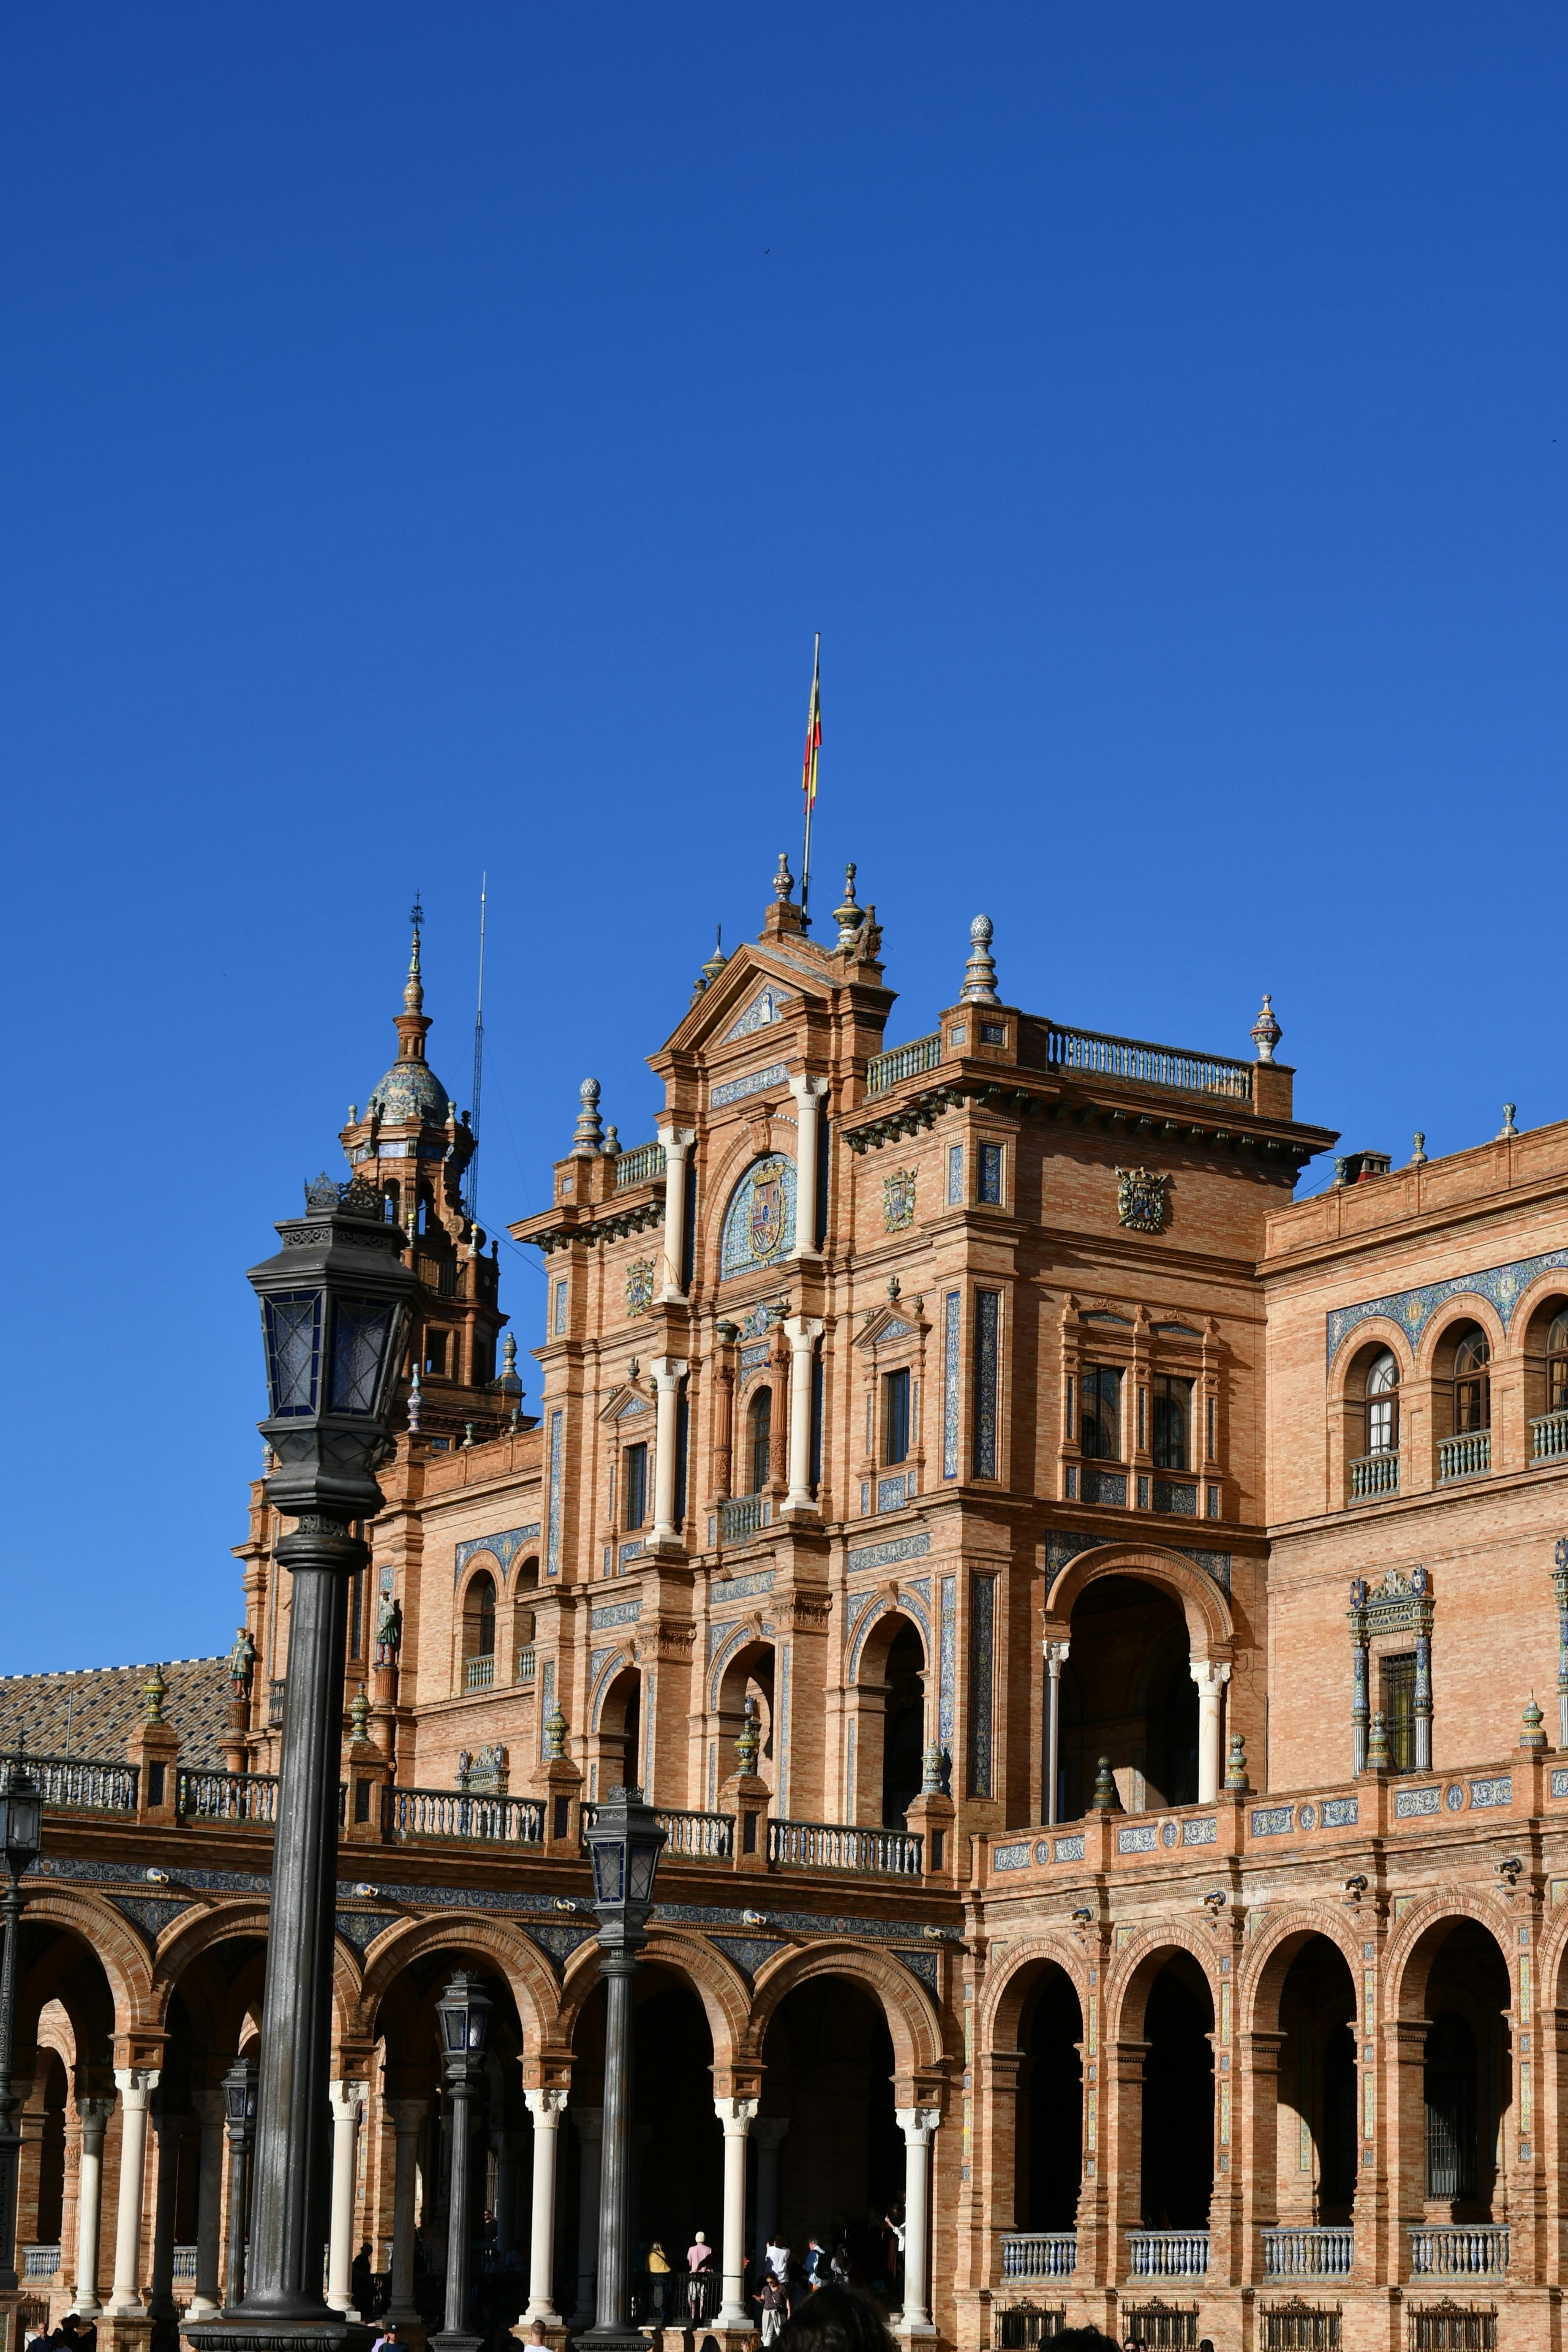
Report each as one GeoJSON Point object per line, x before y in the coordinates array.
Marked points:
{"type": "Point", "coordinates": [761, 1418]}
{"type": "Point", "coordinates": [1557, 1364]}
{"type": "Point", "coordinates": [1383, 1404]}
{"type": "Point", "coordinates": [479, 1617]}
{"type": "Point", "coordinates": [526, 1591]}
{"type": "Point", "coordinates": [1472, 1382]}
{"type": "Point", "coordinates": [1101, 1435]}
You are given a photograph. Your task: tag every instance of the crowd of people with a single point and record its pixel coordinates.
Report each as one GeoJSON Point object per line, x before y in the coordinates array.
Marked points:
{"type": "Point", "coordinates": [683, 2286]}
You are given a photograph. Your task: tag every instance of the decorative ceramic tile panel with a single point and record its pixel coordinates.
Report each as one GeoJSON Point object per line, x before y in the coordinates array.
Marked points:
{"type": "Point", "coordinates": [782, 1741]}
{"type": "Point", "coordinates": [1104, 1486]}
{"type": "Point", "coordinates": [754, 1358]}
{"type": "Point", "coordinates": [759, 1224]}
{"type": "Point", "coordinates": [1411, 1310]}
{"type": "Point", "coordinates": [616, 1613]}
{"type": "Point", "coordinates": [1176, 1496]}
{"type": "Point", "coordinates": [1410, 1803]}
{"type": "Point", "coordinates": [1559, 1783]}
{"type": "Point", "coordinates": [1340, 1812]}
{"type": "Point", "coordinates": [630, 1551]}
{"type": "Point", "coordinates": [919, 1964]}
{"type": "Point", "coordinates": [505, 1546]}
{"type": "Point", "coordinates": [1273, 1821]}
{"type": "Point", "coordinates": [987, 1328]}
{"type": "Point", "coordinates": [761, 1014]}
{"type": "Point", "coordinates": [1498, 1792]}
{"type": "Point", "coordinates": [741, 1587]}
{"type": "Point", "coordinates": [1200, 1833]}
{"type": "Point", "coordinates": [552, 1565]}
{"type": "Point", "coordinates": [892, 1494]}
{"type": "Point", "coordinates": [1068, 1849]}
{"type": "Point", "coordinates": [950, 1387]}
{"type": "Point", "coordinates": [954, 1175]}
{"type": "Point", "coordinates": [755, 1082]}
{"type": "Point", "coordinates": [749, 1953]}
{"type": "Point", "coordinates": [1012, 1857]}
{"type": "Point", "coordinates": [546, 1703]}
{"type": "Point", "coordinates": [949, 1660]}
{"type": "Point", "coordinates": [1143, 1837]}
{"type": "Point", "coordinates": [886, 1555]}
{"type": "Point", "coordinates": [982, 1615]}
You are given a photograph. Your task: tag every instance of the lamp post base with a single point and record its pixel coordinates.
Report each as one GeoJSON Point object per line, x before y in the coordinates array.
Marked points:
{"type": "Point", "coordinates": [451, 2340]}
{"type": "Point", "coordinates": [609, 2339]}
{"type": "Point", "coordinates": [332, 2333]}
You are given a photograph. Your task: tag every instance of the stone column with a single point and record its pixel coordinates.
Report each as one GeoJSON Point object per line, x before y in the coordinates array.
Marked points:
{"type": "Point", "coordinates": [770, 2131]}
{"type": "Point", "coordinates": [171, 2131]}
{"type": "Point", "coordinates": [94, 2114]}
{"type": "Point", "coordinates": [803, 1332]}
{"type": "Point", "coordinates": [1422, 1706]}
{"type": "Point", "coordinates": [917, 2125]}
{"type": "Point", "coordinates": [345, 2098]}
{"type": "Point", "coordinates": [669, 1372]}
{"type": "Point", "coordinates": [1361, 1706]}
{"type": "Point", "coordinates": [407, 2115]}
{"type": "Point", "coordinates": [736, 2116]}
{"type": "Point", "coordinates": [136, 2085]}
{"type": "Point", "coordinates": [545, 2107]}
{"type": "Point", "coordinates": [808, 1093]}
{"type": "Point", "coordinates": [1559, 1587]}
{"type": "Point", "coordinates": [207, 2300]}
{"type": "Point", "coordinates": [677, 1141]}
{"type": "Point", "coordinates": [1056, 1658]}
{"type": "Point", "coordinates": [590, 2121]}
{"type": "Point", "coordinates": [1211, 1676]}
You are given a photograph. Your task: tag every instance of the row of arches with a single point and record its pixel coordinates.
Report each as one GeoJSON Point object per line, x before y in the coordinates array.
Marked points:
{"type": "Point", "coordinates": [1392, 1390]}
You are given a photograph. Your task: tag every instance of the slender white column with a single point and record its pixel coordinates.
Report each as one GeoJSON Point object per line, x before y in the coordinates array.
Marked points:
{"type": "Point", "coordinates": [545, 2108]}
{"type": "Point", "coordinates": [207, 2299]}
{"type": "Point", "coordinates": [347, 2109]}
{"type": "Point", "coordinates": [95, 2115]}
{"type": "Point", "coordinates": [736, 2116]}
{"type": "Point", "coordinates": [668, 1372]}
{"type": "Point", "coordinates": [1211, 1676]}
{"type": "Point", "coordinates": [136, 2085]}
{"type": "Point", "coordinates": [407, 2115]}
{"type": "Point", "coordinates": [1056, 1658]}
{"type": "Point", "coordinates": [590, 2121]}
{"type": "Point", "coordinates": [802, 1331]}
{"type": "Point", "coordinates": [678, 1142]}
{"type": "Point", "coordinates": [917, 2124]}
{"type": "Point", "coordinates": [770, 2131]}
{"type": "Point", "coordinates": [808, 1093]}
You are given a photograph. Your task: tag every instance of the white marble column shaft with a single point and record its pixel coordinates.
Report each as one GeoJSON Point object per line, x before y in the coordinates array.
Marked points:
{"type": "Point", "coordinates": [94, 2114]}
{"type": "Point", "coordinates": [803, 1332]}
{"type": "Point", "coordinates": [917, 2124]}
{"type": "Point", "coordinates": [667, 1373]}
{"type": "Point", "coordinates": [1211, 1677]}
{"type": "Point", "coordinates": [136, 2085]}
{"type": "Point", "coordinates": [545, 2108]}
{"type": "Point", "coordinates": [678, 1142]}
{"type": "Point", "coordinates": [347, 2106]}
{"type": "Point", "coordinates": [736, 2116]}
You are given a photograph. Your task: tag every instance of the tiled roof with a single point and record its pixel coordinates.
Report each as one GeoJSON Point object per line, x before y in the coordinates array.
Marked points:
{"type": "Point", "coordinates": [91, 1713]}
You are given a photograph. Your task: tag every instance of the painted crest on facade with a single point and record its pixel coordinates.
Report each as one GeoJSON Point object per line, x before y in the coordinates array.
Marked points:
{"type": "Point", "coordinates": [1142, 1204]}
{"type": "Point", "coordinates": [898, 1200]}
{"type": "Point", "coordinates": [766, 1217]}
{"type": "Point", "coordinates": [639, 1285]}
{"type": "Point", "coordinates": [758, 1225]}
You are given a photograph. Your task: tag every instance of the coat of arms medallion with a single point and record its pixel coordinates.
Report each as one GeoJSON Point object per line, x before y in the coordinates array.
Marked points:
{"type": "Point", "coordinates": [1142, 1204]}
{"type": "Point", "coordinates": [639, 1285]}
{"type": "Point", "coordinates": [898, 1200]}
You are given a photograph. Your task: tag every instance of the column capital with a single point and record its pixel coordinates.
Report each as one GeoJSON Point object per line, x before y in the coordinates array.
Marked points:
{"type": "Point", "coordinates": [669, 1371]}
{"type": "Point", "coordinates": [737, 2116]}
{"type": "Point", "coordinates": [136, 2085]}
{"type": "Point", "coordinates": [407, 2115]}
{"type": "Point", "coordinates": [677, 1140]}
{"type": "Point", "coordinates": [806, 1088]}
{"type": "Point", "coordinates": [94, 2114]}
{"type": "Point", "coordinates": [803, 1330]}
{"type": "Point", "coordinates": [546, 2106]}
{"type": "Point", "coordinates": [1211, 1675]}
{"type": "Point", "coordinates": [771, 2130]}
{"type": "Point", "coordinates": [590, 2123]}
{"type": "Point", "coordinates": [347, 2098]}
{"type": "Point", "coordinates": [917, 2124]}
{"type": "Point", "coordinates": [1055, 1654]}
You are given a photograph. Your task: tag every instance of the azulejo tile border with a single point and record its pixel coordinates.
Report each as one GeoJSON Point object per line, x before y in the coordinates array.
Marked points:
{"type": "Point", "coordinates": [505, 1546]}
{"type": "Point", "coordinates": [1501, 1286]}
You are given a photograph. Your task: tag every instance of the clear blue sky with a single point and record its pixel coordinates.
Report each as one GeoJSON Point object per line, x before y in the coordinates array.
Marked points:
{"type": "Point", "coordinates": [431, 437]}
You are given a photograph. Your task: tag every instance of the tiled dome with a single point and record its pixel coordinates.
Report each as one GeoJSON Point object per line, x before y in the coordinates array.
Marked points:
{"type": "Point", "coordinates": [410, 1090]}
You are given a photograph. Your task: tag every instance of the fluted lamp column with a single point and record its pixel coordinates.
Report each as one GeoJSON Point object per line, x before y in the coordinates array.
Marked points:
{"type": "Point", "coordinates": [624, 1844]}
{"type": "Point", "coordinates": [21, 1839]}
{"type": "Point", "coordinates": [240, 2116]}
{"type": "Point", "coordinates": [463, 2013]}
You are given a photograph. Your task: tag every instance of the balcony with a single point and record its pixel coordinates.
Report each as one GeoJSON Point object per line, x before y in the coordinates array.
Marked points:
{"type": "Point", "coordinates": [480, 1673]}
{"type": "Point", "coordinates": [835, 1845]}
{"type": "Point", "coordinates": [636, 1167]}
{"type": "Point", "coordinates": [1308, 2254]}
{"type": "Point", "coordinates": [1167, 2253]}
{"type": "Point", "coordinates": [1469, 1456]}
{"type": "Point", "coordinates": [525, 1665]}
{"type": "Point", "coordinates": [40, 2262]}
{"type": "Point", "coordinates": [1549, 1438]}
{"type": "Point", "coordinates": [747, 1515]}
{"type": "Point", "coordinates": [450, 1813]}
{"type": "Point", "coordinates": [693, 1837]}
{"type": "Point", "coordinates": [1168, 1066]}
{"type": "Point", "coordinates": [1372, 1476]}
{"type": "Point", "coordinates": [78, 1783]}
{"type": "Point", "coordinates": [885, 1070]}
{"type": "Point", "coordinates": [227, 1797]}
{"type": "Point", "coordinates": [1039, 2253]}
{"type": "Point", "coordinates": [1459, 2252]}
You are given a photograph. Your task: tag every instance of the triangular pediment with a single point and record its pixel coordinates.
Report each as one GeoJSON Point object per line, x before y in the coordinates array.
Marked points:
{"type": "Point", "coordinates": [625, 1404]}
{"type": "Point", "coordinates": [900, 1319]}
{"type": "Point", "coordinates": [759, 988]}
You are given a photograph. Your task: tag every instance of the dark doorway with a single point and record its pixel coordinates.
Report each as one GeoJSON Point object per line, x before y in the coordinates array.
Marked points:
{"type": "Point", "coordinates": [1178, 2098]}
{"type": "Point", "coordinates": [829, 2067]}
{"type": "Point", "coordinates": [1048, 2162]}
{"type": "Point", "coordinates": [1127, 1692]}
{"type": "Point", "coordinates": [903, 1731]}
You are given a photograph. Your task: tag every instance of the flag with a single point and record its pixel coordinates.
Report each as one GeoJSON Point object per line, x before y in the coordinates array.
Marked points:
{"type": "Point", "coordinates": [812, 731]}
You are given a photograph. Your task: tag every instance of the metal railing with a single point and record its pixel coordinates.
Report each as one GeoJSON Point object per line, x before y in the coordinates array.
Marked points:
{"type": "Point", "coordinates": [81, 1781]}
{"type": "Point", "coordinates": [409, 1813]}
{"type": "Point", "coordinates": [227, 1797]}
{"type": "Point", "coordinates": [747, 1515]}
{"type": "Point", "coordinates": [1019, 2326]}
{"type": "Point", "coordinates": [1308, 2254]}
{"type": "Point", "coordinates": [636, 1167]}
{"type": "Point", "coordinates": [835, 1845]}
{"type": "Point", "coordinates": [1168, 2254]}
{"type": "Point", "coordinates": [702, 1837]}
{"type": "Point", "coordinates": [480, 1673]}
{"type": "Point", "coordinates": [1457, 2251]}
{"type": "Point", "coordinates": [885, 1070]}
{"type": "Point", "coordinates": [525, 1665]}
{"type": "Point", "coordinates": [1465, 1458]}
{"type": "Point", "coordinates": [1549, 1437]}
{"type": "Point", "coordinates": [1039, 2253]}
{"type": "Point", "coordinates": [1374, 1473]}
{"type": "Point", "coordinates": [40, 2262]}
{"type": "Point", "coordinates": [1169, 1066]}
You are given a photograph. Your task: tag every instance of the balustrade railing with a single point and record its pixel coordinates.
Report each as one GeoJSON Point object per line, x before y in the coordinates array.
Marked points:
{"type": "Point", "coordinates": [1374, 1473]}
{"type": "Point", "coordinates": [40, 2262]}
{"type": "Point", "coordinates": [185, 2270]}
{"type": "Point", "coordinates": [747, 1515]}
{"type": "Point", "coordinates": [697, 1837]}
{"type": "Point", "coordinates": [1549, 1437]}
{"type": "Point", "coordinates": [1168, 2254]}
{"type": "Point", "coordinates": [885, 1070]}
{"type": "Point", "coordinates": [1466, 1457]}
{"type": "Point", "coordinates": [81, 1781]}
{"type": "Point", "coordinates": [480, 1673]}
{"type": "Point", "coordinates": [636, 1167]}
{"type": "Point", "coordinates": [834, 1845]}
{"type": "Point", "coordinates": [1169, 1066]}
{"type": "Point", "coordinates": [525, 1664]}
{"type": "Point", "coordinates": [227, 1797]}
{"type": "Point", "coordinates": [1039, 2253]}
{"type": "Point", "coordinates": [1458, 2251]}
{"type": "Point", "coordinates": [1308, 2254]}
{"type": "Point", "coordinates": [410, 1814]}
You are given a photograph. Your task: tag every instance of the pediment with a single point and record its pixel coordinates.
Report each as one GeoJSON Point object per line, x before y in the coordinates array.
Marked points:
{"type": "Point", "coordinates": [625, 1404]}
{"type": "Point", "coordinates": [898, 1320]}
{"type": "Point", "coordinates": [759, 989]}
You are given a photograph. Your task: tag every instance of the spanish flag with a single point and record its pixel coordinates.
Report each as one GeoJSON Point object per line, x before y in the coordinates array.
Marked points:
{"type": "Point", "coordinates": [812, 731]}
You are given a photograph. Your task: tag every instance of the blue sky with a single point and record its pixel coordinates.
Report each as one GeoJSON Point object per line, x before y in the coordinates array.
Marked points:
{"type": "Point", "coordinates": [431, 437]}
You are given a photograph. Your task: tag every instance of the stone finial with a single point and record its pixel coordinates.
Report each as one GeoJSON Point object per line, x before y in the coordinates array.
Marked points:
{"type": "Point", "coordinates": [783, 881]}
{"type": "Point", "coordinates": [1266, 1031]}
{"type": "Point", "coordinates": [1508, 1126]}
{"type": "Point", "coordinates": [612, 1143]}
{"type": "Point", "coordinates": [1235, 1769]}
{"type": "Point", "coordinates": [849, 917]}
{"type": "Point", "coordinates": [1105, 1799]}
{"type": "Point", "coordinates": [749, 1744]}
{"type": "Point", "coordinates": [509, 1359]}
{"type": "Point", "coordinates": [1418, 1156]}
{"type": "Point", "coordinates": [589, 1130]}
{"type": "Point", "coordinates": [1378, 1759]}
{"type": "Point", "coordinates": [359, 1717]}
{"type": "Point", "coordinates": [1532, 1736]}
{"type": "Point", "coordinates": [554, 1736]}
{"type": "Point", "coordinates": [467, 1433]}
{"type": "Point", "coordinates": [933, 1774]}
{"type": "Point", "coordinates": [416, 1402]}
{"type": "Point", "coordinates": [155, 1691]}
{"type": "Point", "coordinates": [717, 961]}
{"type": "Point", "coordinates": [979, 971]}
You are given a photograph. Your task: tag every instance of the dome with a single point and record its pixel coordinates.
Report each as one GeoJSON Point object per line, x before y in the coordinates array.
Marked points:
{"type": "Point", "coordinates": [409, 1090]}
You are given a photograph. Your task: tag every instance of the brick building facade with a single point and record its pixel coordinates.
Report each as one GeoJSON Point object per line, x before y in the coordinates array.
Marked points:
{"type": "Point", "coordinates": [1080, 1611]}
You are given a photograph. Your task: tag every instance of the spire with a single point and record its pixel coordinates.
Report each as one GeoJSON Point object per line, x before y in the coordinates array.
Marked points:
{"type": "Point", "coordinates": [718, 959]}
{"type": "Point", "coordinates": [413, 990]}
{"type": "Point", "coordinates": [588, 1134]}
{"type": "Point", "coordinates": [979, 971]}
{"type": "Point", "coordinates": [1266, 1031]}
{"type": "Point", "coordinates": [849, 916]}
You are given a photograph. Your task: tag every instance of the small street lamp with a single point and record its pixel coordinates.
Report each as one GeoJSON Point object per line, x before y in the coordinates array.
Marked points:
{"type": "Point", "coordinates": [22, 1838]}
{"type": "Point", "coordinates": [240, 2108]}
{"type": "Point", "coordinates": [624, 1843]}
{"type": "Point", "coordinates": [335, 1305]}
{"type": "Point", "coordinates": [464, 2015]}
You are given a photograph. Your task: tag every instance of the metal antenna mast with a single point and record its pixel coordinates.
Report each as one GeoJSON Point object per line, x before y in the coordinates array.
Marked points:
{"type": "Point", "coordinates": [472, 1203]}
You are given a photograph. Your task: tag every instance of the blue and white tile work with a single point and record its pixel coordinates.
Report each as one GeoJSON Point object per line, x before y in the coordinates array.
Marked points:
{"type": "Point", "coordinates": [504, 1545]}
{"type": "Point", "coordinates": [758, 1225]}
{"type": "Point", "coordinates": [755, 1082]}
{"type": "Point", "coordinates": [761, 1012]}
{"type": "Point", "coordinates": [1501, 1287]}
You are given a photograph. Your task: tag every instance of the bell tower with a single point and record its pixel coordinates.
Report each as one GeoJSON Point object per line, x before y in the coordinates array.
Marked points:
{"type": "Point", "coordinates": [414, 1146]}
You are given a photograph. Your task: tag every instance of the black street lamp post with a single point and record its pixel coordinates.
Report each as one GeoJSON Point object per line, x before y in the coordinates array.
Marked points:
{"type": "Point", "coordinates": [335, 1304]}
{"type": "Point", "coordinates": [239, 2107]}
{"type": "Point", "coordinates": [624, 1842]}
{"type": "Point", "coordinates": [464, 2012]}
{"type": "Point", "coordinates": [22, 1838]}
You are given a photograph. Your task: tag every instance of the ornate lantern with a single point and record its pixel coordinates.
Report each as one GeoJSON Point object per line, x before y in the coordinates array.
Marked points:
{"type": "Point", "coordinates": [623, 1844]}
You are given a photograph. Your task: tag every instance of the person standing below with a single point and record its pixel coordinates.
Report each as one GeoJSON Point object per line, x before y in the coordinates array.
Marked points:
{"type": "Point", "coordinates": [776, 2258]}
{"type": "Point", "coordinates": [657, 2279]}
{"type": "Point", "coordinates": [699, 2265]}
{"type": "Point", "coordinates": [772, 2302]}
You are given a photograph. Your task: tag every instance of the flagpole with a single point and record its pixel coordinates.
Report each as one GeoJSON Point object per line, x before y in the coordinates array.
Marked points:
{"type": "Point", "coordinates": [811, 724]}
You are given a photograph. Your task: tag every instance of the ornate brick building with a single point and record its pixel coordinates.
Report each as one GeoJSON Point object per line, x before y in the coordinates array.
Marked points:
{"type": "Point", "coordinates": [1079, 1610]}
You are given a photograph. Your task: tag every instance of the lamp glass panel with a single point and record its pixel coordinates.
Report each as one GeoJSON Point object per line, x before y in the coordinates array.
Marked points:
{"type": "Point", "coordinates": [643, 1858]}
{"type": "Point", "coordinates": [455, 2026]}
{"type": "Point", "coordinates": [609, 1873]}
{"type": "Point", "coordinates": [361, 1328]}
{"type": "Point", "coordinates": [292, 1321]}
